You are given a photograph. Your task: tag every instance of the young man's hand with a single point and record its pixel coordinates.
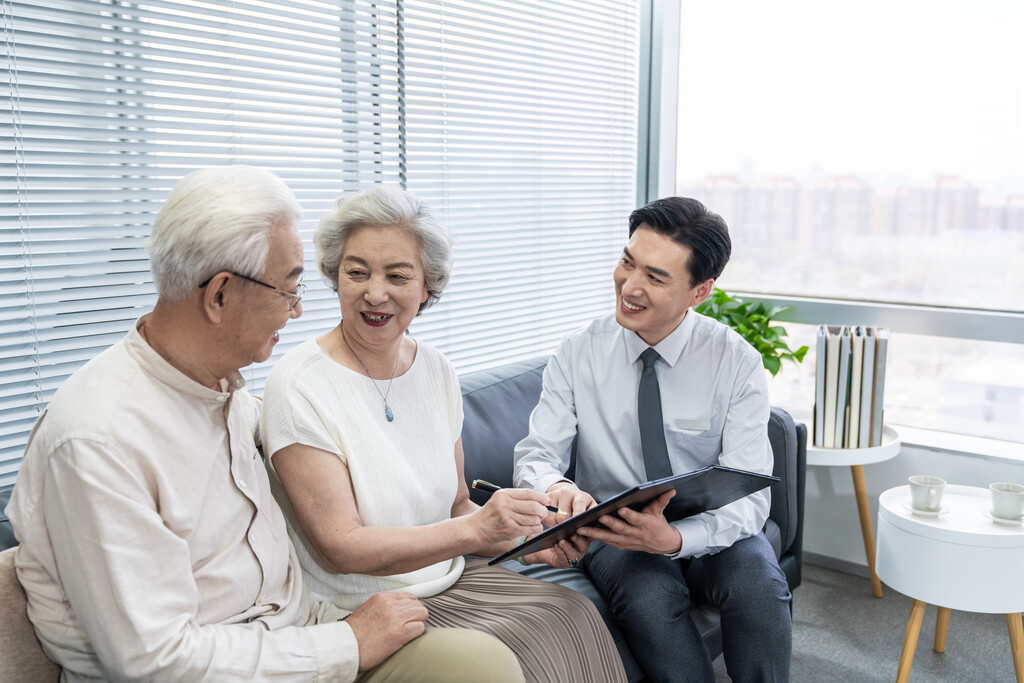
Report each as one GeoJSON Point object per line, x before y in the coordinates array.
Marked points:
{"type": "Point", "coordinates": [646, 530]}
{"type": "Point", "coordinates": [567, 553]}
{"type": "Point", "coordinates": [569, 500]}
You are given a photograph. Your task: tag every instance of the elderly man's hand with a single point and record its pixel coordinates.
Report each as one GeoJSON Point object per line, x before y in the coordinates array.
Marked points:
{"type": "Point", "coordinates": [384, 623]}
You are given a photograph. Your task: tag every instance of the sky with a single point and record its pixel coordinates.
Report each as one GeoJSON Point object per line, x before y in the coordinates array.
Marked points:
{"type": "Point", "coordinates": [893, 91]}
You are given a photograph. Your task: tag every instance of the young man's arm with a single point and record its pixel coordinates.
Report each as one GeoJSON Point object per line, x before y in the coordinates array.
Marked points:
{"type": "Point", "coordinates": [542, 458]}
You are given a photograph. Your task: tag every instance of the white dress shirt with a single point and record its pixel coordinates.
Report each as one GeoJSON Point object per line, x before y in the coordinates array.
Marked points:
{"type": "Point", "coordinates": [151, 547]}
{"type": "Point", "coordinates": [714, 397]}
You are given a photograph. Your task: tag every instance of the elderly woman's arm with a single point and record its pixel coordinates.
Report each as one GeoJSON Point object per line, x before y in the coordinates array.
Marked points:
{"type": "Point", "coordinates": [320, 492]}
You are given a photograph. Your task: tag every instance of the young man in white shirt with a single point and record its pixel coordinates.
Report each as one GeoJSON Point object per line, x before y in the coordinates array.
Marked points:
{"type": "Point", "coordinates": [714, 410]}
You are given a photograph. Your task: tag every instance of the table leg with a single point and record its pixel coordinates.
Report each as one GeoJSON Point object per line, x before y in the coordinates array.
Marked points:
{"type": "Point", "coordinates": [910, 640]}
{"type": "Point", "coordinates": [941, 628]}
{"type": "Point", "coordinates": [1013, 622]}
{"type": "Point", "coordinates": [865, 525]}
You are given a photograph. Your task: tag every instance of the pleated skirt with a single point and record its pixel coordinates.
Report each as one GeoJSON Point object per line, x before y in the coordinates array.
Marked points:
{"type": "Point", "coordinates": [557, 634]}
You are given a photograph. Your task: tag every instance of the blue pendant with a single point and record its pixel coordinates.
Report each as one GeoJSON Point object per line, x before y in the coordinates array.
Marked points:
{"type": "Point", "coordinates": [387, 412]}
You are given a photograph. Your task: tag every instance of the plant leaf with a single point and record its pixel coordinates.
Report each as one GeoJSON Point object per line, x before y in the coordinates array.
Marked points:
{"type": "Point", "coordinates": [752, 321]}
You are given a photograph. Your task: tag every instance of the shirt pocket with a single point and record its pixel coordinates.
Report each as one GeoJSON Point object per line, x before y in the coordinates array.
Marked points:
{"type": "Point", "coordinates": [697, 449]}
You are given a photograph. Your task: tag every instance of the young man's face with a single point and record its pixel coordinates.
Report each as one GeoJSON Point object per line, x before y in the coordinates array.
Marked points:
{"type": "Point", "coordinates": [653, 289]}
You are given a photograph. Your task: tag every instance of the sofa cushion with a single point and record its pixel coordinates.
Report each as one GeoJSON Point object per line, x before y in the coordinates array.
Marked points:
{"type": "Point", "coordinates": [21, 655]}
{"type": "Point", "coordinates": [497, 405]}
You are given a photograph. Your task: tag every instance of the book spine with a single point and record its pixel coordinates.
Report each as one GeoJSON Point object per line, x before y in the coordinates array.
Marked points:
{"type": "Point", "coordinates": [867, 387]}
{"type": "Point", "coordinates": [856, 374]}
{"type": "Point", "coordinates": [831, 385]}
{"type": "Point", "coordinates": [878, 399]}
{"type": "Point", "coordinates": [843, 388]}
{"type": "Point", "coordinates": [819, 388]}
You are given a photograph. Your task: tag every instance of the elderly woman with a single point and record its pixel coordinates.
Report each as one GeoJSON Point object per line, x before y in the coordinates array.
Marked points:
{"type": "Point", "coordinates": [362, 428]}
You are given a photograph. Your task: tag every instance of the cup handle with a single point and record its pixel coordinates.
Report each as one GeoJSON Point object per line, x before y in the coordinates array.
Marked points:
{"type": "Point", "coordinates": [933, 501]}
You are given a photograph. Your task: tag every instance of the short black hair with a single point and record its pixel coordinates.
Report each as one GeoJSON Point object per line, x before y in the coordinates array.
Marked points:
{"type": "Point", "coordinates": [689, 223]}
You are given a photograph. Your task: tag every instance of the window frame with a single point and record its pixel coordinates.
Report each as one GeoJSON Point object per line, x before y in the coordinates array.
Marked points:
{"type": "Point", "coordinates": [933, 321]}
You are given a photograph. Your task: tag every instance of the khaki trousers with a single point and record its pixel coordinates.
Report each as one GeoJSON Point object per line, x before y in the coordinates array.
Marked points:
{"type": "Point", "coordinates": [449, 655]}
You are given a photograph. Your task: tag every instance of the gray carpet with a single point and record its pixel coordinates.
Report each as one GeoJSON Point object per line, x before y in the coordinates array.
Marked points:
{"type": "Point", "coordinates": [842, 633]}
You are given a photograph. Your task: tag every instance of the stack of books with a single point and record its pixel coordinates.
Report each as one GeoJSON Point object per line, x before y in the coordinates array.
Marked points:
{"type": "Point", "coordinates": [849, 386]}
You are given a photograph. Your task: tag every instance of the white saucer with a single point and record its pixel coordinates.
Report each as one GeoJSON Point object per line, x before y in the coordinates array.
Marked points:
{"type": "Point", "coordinates": [1001, 521]}
{"type": "Point", "coordinates": [925, 513]}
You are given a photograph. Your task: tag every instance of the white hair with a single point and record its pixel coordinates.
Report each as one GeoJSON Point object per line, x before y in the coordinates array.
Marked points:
{"type": "Point", "coordinates": [217, 219]}
{"type": "Point", "coordinates": [379, 207]}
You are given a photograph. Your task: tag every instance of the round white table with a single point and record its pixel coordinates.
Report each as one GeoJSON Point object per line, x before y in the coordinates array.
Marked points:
{"type": "Point", "coordinates": [958, 559]}
{"type": "Point", "coordinates": [856, 458]}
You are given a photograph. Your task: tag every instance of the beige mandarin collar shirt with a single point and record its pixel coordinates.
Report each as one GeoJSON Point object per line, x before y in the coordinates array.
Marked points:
{"type": "Point", "coordinates": [150, 543]}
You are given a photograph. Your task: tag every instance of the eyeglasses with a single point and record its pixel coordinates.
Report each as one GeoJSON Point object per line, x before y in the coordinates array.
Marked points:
{"type": "Point", "coordinates": [293, 297]}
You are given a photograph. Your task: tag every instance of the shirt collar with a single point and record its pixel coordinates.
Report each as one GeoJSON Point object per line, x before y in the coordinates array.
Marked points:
{"type": "Point", "coordinates": [154, 364]}
{"type": "Point", "coordinates": [670, 348]}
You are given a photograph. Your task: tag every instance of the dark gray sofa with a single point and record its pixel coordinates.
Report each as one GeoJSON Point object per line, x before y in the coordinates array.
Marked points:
{"type": "Point", "coordinates": [497, 405]}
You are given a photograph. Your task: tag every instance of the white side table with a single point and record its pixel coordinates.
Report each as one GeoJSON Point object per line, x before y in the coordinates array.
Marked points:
{"type": "Point", "coordinates": [856, 458]}
{"type": "Point", "coordinates": [959, 559]}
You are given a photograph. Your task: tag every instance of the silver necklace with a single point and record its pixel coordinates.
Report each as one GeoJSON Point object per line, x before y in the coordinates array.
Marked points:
{"type": "Point", "coordinates": [387, 408]}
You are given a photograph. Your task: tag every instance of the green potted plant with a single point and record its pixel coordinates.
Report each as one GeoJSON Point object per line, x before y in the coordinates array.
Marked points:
{"type": "Point", "coordinates": [753, 323]}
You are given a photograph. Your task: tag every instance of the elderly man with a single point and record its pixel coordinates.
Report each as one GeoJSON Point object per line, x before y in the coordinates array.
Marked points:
{"type": "Point", "coordinates": [701, 399]}
{"type": "Point", "coordinates": [151, 547]}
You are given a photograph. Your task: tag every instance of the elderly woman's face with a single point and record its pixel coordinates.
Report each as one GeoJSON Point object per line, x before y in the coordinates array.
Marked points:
{"type": "Point", "coordinates": [380, 284]}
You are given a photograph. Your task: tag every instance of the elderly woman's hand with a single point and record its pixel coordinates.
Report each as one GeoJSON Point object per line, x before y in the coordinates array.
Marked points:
{"type": "Point", "coordinates": [509, 514]}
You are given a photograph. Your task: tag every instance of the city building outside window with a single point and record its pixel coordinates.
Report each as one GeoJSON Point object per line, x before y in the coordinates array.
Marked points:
{"type": "Point", "coordinates": [870, 152]}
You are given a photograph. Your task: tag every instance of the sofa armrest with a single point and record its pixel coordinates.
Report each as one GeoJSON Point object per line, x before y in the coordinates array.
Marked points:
{"type": "Point", "coordinates": [789, 446]}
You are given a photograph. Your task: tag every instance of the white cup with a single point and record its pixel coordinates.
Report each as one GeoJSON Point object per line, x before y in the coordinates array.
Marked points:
{"type": "Point", "coordinates": [1007, 501]}
{"type": "Point", "coordinates": [926, 493]}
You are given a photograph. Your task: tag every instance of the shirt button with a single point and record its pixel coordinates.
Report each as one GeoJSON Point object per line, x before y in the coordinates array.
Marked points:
{"type": "Point", "coordinates": [241, 483]}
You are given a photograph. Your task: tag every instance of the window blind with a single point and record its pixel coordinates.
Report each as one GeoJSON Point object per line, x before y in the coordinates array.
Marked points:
{"type": "Point", "coordinates": [515, 120]}
{"type": "Point", "coordinates": [112, 102]}
{"type": "Point", "coordinates": [521, 129]}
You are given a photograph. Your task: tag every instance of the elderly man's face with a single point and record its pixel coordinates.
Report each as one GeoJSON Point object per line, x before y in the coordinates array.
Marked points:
{"type": "Point", "coordinates": [264, 310]}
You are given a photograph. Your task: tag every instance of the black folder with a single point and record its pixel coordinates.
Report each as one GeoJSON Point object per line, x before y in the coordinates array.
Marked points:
{"type": "Point", "coordinates": [705, 489]}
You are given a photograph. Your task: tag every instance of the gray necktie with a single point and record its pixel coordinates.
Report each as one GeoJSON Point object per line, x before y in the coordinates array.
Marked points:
{"type": "Point", "coordinates": [652, 428]}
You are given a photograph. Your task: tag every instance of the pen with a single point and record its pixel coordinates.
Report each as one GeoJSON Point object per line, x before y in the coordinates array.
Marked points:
{"type": "Point", "coordinates": [488, 487]}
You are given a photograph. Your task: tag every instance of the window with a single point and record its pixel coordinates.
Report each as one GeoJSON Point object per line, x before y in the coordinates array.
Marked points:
{"type": "Point", "coordinates": [869, 153]}
{"type": "Point", "coordinates": [516, 121]}
{"type": "Point", "coordinates": [521, 128]}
